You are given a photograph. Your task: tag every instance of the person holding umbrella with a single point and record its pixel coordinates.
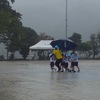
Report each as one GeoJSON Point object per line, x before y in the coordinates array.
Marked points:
{"type": "Point", "coordinates": [58, 56]}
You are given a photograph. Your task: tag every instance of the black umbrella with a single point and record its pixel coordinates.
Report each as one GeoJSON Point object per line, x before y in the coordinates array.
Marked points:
{"type": "Point", "coordinates": [64, 44]}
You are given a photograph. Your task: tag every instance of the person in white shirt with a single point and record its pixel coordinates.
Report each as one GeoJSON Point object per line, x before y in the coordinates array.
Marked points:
{"type": "Point", "coordinates": [52, 62]}
{"type": "Point", "coordinates": [70, 62]}
{"type": "Point", "coordinates": [66, 64]}
{"type": "Point", "coordinates": [75, 61]}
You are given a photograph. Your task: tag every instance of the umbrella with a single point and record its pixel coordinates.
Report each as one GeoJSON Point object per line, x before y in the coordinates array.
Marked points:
{"type": "Point", "coordinates": [64, 44]}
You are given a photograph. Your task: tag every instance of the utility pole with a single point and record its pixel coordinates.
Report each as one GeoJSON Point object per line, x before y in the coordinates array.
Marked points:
{"type": "Point", "coordinates": [66, 19]}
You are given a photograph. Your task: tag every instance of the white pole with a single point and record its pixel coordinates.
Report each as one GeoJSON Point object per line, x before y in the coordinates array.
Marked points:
{"type": "Point", "coordinates": [66, 19]}
{"type": "Point", "coordinates": [30, 52]}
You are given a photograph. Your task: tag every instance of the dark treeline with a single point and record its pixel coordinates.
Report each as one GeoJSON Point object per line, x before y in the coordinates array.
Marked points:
{"type": "Point", "coordinates": [17, 37]}
{"type": "Point", "coordinates": [13, 33]}
{"type": "Point", "coordinates": [91, 48]}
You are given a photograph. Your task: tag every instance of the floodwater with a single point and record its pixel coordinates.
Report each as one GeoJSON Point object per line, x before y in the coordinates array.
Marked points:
{"type": "Point", "coordinates": [33, 80]}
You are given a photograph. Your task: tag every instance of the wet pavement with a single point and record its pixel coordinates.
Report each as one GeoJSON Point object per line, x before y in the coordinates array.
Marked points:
{"type": "Point", "coordinates": [33, 80]}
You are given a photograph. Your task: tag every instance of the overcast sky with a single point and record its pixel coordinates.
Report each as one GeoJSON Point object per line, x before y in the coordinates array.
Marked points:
{"type": "Point", "coordinates": [49, 16]}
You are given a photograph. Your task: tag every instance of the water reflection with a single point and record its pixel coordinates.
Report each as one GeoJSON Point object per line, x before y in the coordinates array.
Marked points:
{"type": "Point", "coordinates": [8, 88]}
{"type": "Point", "coordinates": [64, 83]}
{"type": "Point", "coordinates": [34, 81]}
{"type": "Point", "coordinates": [64, 77]}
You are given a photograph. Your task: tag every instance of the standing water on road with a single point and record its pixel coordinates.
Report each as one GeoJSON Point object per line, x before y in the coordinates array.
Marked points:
{"type": "Point", "coordinates": [33, 80]}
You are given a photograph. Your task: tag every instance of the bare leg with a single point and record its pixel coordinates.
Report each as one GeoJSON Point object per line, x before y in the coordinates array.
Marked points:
{"type": "Point", "coordinates": [78, 68]}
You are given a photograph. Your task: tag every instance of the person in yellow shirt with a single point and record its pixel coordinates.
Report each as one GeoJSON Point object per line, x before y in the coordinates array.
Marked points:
{"type": "Point", "coordinates": [58, 56]}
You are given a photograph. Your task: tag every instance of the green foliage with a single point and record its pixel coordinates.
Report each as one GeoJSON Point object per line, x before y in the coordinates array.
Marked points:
{"type": "Point", "coordinates": [12, 33]}
{"type": "Point", "coordinates": [12, 1]}
{"type": "Point", "coordinates": [27, 38]}
{"type": "Point", "coordinates": [9, 18]}
{"type": "Point", "coordinates": [77, 39]}
{"type": "Point", "coordinates": [98, 35]}
{"type": "Point", "coordinates": [95, 44]}
{"type": "Point", "coordinates": [4, 4]}
{"type": "Point", "coordinates": [8, 22]}
{"type": "Point", "coordinates": [10, 25]}
{"type": "Point", "coordinates": [43, 36]}
{"type": "Point", "coordinates": [85, 48]}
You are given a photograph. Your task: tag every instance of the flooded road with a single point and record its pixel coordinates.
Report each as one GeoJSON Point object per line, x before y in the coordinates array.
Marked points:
{"type": "Point", "coordinates": [33, 80]}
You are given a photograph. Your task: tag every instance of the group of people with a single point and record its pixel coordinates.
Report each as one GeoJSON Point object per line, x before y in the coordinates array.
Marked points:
{"type": "Point", "coordinates": [64, 62]}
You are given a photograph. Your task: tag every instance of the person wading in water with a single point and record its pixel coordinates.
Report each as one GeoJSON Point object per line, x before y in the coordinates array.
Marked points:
{"type": "Point", "coordinates": [58, 56]}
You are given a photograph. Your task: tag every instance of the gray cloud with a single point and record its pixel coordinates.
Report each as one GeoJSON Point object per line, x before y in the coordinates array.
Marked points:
{"type": "Point", "coordinates": [49, 16]}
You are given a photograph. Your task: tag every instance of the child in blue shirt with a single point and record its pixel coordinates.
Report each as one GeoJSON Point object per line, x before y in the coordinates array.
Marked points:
{"type": "Point", "coordinates": [75, 61]}
{"type": "Point", "coordinates": [66, 63]}
{"type": "Point", "coordinates": [70, 60]}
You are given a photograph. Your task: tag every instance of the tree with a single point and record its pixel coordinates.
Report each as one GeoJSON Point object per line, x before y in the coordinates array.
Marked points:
{"type": "Point", "coordinates": [98, 35]}
{"type": "Point", "coordinates": [4, 4]}
{"type": "Point", "coordinates": [6, 16]}
{"type": "Point", "coordinates": [94, 44]}
{"type": "Point", "coordinates": [43, 36]}
{"type": "Point", "coordinates": [85, 48]}
{"type": "Point", "coordinates": [76, 38]}
{"type": "Point", "coordinates": [10, 28]}
{"type": "Point", "coordinates": [27, 38]}
{"type": "Point", "coordinates": [10, 24]}
{"type": "Point", "coordinates": [12, 1]}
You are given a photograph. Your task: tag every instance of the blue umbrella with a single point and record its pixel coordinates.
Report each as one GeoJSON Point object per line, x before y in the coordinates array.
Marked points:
{"type": "Point", "coordinates": [64, 44]}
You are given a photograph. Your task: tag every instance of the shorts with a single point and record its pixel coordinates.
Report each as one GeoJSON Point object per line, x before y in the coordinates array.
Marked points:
{"type": "Point", "coordinates": [52, 64]}
{"type": "Point", "coordinates": [58, 61]}
{"type": "Point", "coordinates": [66, 65]}
{"type": "Point", "coordinates": [74, 64]}
{"type": "Point", "coordinates": [63, 63]}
